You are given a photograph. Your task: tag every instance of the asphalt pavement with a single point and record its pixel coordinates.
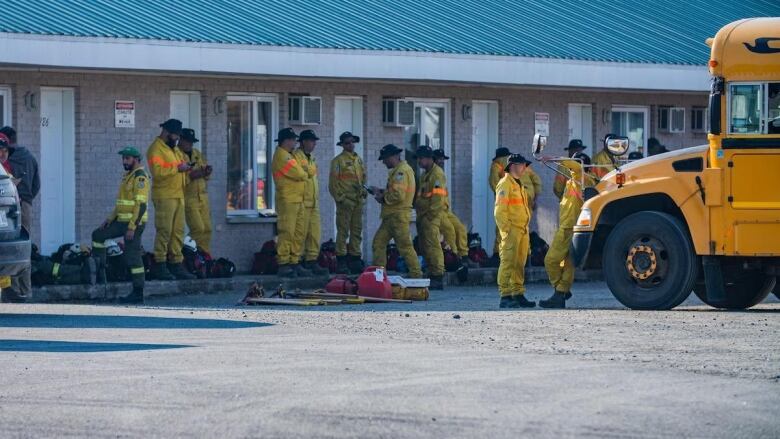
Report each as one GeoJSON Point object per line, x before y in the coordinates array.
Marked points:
{"type": "Point", "coordinates": [455, 366]}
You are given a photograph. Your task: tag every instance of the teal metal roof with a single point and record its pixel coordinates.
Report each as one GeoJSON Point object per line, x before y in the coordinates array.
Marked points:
{"type": "Point", "coordinates": [658, 31]}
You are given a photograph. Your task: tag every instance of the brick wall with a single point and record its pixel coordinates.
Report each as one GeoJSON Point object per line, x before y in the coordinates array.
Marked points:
{"type": "Point", "coordinates": [98, 168]}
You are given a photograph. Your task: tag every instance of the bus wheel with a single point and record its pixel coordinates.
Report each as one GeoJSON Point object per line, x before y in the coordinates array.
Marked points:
{"type": "Point", "coordinates": [649, 261]}
{"type": "Point", "coordinates": [743, 290]}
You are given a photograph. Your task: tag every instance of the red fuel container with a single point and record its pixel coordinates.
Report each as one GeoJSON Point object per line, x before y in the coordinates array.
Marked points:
{"type": "Point", "coordinates": [373, 282]}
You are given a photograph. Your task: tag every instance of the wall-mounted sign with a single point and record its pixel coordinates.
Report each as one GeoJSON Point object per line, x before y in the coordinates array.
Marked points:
{"type": "Point", "coordinates": [124, 114]}
{"type": "Point", "coordinates": [542, 123]}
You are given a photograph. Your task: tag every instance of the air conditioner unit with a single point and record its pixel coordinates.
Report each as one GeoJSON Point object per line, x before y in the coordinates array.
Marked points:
{"type": "Point", "coordinates": [397, 112]}
{"type": "Point", "coordinates": [305, 110]}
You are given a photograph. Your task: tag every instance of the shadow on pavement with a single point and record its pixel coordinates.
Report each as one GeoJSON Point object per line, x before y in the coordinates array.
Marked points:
{"type": "Point", "coordinates": [79, 346]}
{"type": "Point", "coordinates": [119, 322]}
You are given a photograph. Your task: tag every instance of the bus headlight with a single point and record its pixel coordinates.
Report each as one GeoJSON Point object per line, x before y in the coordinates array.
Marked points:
{"type": "Point", "coordinates": [585, 218]}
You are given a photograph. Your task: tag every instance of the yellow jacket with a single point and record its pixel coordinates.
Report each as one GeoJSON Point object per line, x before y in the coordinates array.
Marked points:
{"type": "Point", "coordinates": [432, 194]}
{"type": "Point", "coordinates": [532, 184]}
{"type": "Point", "coordinates": [163, 161]}
{"type": "Point", "coordinates": [289, 177]}
{"type": "Point", "coordinates": [399, 193]}
{"type": "Point", "coordinates": [603, 164]}
{"type": "Point", "coordinates": [497, 171]}
{"type": "Point", "coordinates": [572, 200]}
{"type": "Point", "coordinates": [311, 187]}
{"type": "Point", "coordinates": [196, 187]}
{"type": "Point", "coordinates": [559, 185]}
{"type": "Point", "coordinates": [347, 177]}
{"type": "Point", "coordinates": [511, 209]}
{"type": "Point", "coordinates": [131, 202]}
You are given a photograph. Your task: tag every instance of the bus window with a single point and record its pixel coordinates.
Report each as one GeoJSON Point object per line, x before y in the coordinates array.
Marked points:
{"type": "Point", "coordinates": [745, 109]}
{"type": "Point", "coordinates": [773, 108]}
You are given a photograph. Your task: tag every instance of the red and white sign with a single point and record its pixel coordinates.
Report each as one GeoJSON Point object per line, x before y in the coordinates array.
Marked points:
{"type": "Point", "coordinates": [124, 114]}
{"type": "Point", "coordinates": [542, 123]}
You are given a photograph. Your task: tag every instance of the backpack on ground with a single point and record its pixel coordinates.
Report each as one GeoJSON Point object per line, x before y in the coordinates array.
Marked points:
{"type": "Point", "coordinates": [539, 249]}
{"type": "Point", "coordinates": [327, 257]}
{"type": "Point", "coordinates": [222, 267]}
{"type": "Point", "coordinates": [477, 254]}
{"type": "Point", "coordinates": [265, 261]}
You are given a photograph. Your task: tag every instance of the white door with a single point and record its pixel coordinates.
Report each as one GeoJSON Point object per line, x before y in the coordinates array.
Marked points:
{"type": "Point", "coordinates": [349, 117]}
{"type": "Point", "coordinates": [581, 125]}
{"type": "Point", "coordinates": [484, 116]}
{"type": "Point", "coordinates": [57, 168]}
{"type": "Point", "coordinates": [185, 106]}
{"type": "Point", "coordinates": [431, 127]}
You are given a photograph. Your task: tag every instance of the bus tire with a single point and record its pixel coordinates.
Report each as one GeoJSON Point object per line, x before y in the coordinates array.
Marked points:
{"type": "Point", "coordinates": [649, 261]}
{"type": "Point", "coordinates": [743, 290]}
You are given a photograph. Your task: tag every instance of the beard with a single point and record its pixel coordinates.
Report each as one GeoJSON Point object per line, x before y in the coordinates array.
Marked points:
{"type": "Point", "coordinates": [127, 167]}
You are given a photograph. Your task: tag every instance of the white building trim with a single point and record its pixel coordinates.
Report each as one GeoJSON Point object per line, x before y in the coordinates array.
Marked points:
{"type": "Point", "coordinates": [182, 57]}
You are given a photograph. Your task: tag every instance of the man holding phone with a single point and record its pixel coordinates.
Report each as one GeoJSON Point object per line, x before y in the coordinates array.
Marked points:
{"type": "Point", "coordinates": [196, 195]}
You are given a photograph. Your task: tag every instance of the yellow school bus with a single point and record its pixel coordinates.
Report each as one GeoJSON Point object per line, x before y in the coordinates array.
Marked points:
{"type": "Point", "coordinates": [704, 219]}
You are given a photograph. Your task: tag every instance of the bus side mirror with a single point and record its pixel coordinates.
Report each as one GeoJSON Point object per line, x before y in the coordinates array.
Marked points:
{"type": "Point", "coordinates": [539, 143]}
{"type": "Point", "coordinates": [617, 145]}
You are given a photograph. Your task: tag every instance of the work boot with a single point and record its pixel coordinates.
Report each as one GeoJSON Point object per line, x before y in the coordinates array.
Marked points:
{"type": "Point", "coordinates": [89, 272]}
{"type": "Point", "coordinates": [315, 268]}
{"type": "Point", "coordinates": [136, 297]}
{"type": "Point", "coordinates": [160, 272]}
{"type": "Point", "coordinates": [556, 301]}
{"type": "Point", "coordinates": [341, 265]}
{"type": "Point", "coordinates": [179, 272]}
{"type": "Point", "coordinates": [516, 301]}
{"type": "Point", "coordinates": [286, 270]}
{"type": "Point", "coordinates": [10, 296]}
{"type": "Point", "coordinates": [437, 283]}
{"type": "Point", "coordinates": [355, 264]}
{"type": "Point", "coordinates": [300, 271]}
{"type": "Point", "coordinates": [462, 273]}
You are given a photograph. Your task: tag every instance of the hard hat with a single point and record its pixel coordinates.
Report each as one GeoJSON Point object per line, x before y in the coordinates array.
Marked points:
{"type": "Point", "coordinates": [113, 250]}
{"type": "Point", "coordinates": [190, 243]}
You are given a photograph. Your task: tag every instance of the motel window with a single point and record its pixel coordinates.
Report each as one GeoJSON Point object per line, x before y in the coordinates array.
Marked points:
{"type": "Point", "coordinates": [699, 119]}
{"type": "Point", "coordinates": [631, 122]}
{"type": "Point", "coordinates": [251, 125]}
{"type": "Point", "coordinates": [431, 127]}
{"type": "Point", "coordinates": [5, 106]}
{"type": "Point", "coordinates": [185, 106]}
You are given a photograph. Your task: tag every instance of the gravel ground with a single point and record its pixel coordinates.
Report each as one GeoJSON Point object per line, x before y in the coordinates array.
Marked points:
{"type": "Point", "coordinates": [453, 366]}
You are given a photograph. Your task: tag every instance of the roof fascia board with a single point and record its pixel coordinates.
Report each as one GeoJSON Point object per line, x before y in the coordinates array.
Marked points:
{"type": "Point", "coordinates": [154, 55]}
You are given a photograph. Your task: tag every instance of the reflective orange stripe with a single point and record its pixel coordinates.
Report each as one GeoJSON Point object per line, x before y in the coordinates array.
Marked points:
{"type": "Point", "coordinates": [439, 191]}
{"type": "Point", "coordinates": [282, 172]}
{"type": "Point", "coordinates": [157, 160]}
{"type": "Point", "coordinates": [511, 201]}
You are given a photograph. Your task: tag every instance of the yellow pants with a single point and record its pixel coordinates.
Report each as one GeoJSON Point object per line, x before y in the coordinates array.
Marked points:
{"type": "Point", "coordinates": [169, 225]}
{"type": "Point", "coordinates": [349, 226]}
{"type": "Point", "coordinates": [428, 232]}
{"type": "Point", "coordinates": [396, 227]}
{"type": "Point", "coordinates": [286, 219]}
{"type": "Point", "coordinates": [558, 263]}
{"type": "Point", "coordinates": [455, 234]}
{"type": "Point", "coordinates": [198, 218]}
{"type": "Point", "coordinates": [513, 254]}
{"type": "Point", "coordinates": [308, 227]}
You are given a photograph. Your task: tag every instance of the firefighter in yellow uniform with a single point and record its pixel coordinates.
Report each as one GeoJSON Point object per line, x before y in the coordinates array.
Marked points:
{"type": "Point", "coordinates": [290, 180]}
{"type": "Point", "coordinates": [513, 216]}
{"type": "Point", "coordinates": [346, 185]}
{"type": "Point", "coordinates": [558, 262]}
{"type": "Point", "coordinates": [169, 168]}
{"type": "Point", "coordinates": [532, 184]}
{"type": "Point", "coordinates": [308, 223]}
{"type": "Point", "coordinates": [431, 206]}
{"type": "Point", "coordinates": [127, 220]}
{"type": "Point", "coordinates": [453, 230]}
{"type": "Point", "coordinates": [496, 174]}
{"type": "Point", "coordinates": [196, 196]}
{"type": "Point", "coordinates": [575, 146]}
{"type": "Point", "coordinates": [396, 200]}
{"type": "Point", "coordinates": [602, 161]}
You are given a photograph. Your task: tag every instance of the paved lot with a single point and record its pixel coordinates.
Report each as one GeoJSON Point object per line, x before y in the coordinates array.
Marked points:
{"type": "Point", "coordinates": [451, 367]}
